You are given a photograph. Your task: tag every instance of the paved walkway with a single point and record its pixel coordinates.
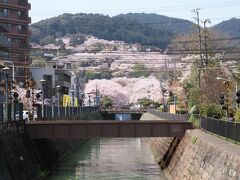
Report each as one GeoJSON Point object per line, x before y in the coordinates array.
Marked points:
{"type": "Point", "coordinates": [217, 142]}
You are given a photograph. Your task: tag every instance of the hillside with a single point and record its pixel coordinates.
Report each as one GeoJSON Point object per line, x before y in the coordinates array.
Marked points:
{"type": "Point", "coordinates": [230, 27]}
{"type": "Point", "coordinates": [146, 29]}
{"type": "Point", "coordinates": [160, 22]}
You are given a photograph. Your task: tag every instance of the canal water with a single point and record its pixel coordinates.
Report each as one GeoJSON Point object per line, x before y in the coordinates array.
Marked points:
{"type": "Point", "coordinates": [109, 159]}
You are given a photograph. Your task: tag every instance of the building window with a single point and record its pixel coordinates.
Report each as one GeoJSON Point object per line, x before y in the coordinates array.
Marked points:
{"type": "Point", "coordinates": [21, 2]}
{"type": "Point", "coordinates": [6, 25]}
{"type": "Point", "coordinates": [19, 27]}
{"type": "Point", "coordinates": [19, 13]}
{"type": "Point", "coordinates": [4, 12]}
{"type": "Point", "coordinates": [4, 1]}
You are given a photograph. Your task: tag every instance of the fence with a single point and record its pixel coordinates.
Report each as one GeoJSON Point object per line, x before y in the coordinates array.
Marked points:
{"type": "Point", "coordinates": [229, 130]}
{"type": "Point", "coordinates": [167, 116]}
{"type": "Point", "coordinates": [14, 112]}
{"type": "Point", "coordinates": [60, 112]}
{"type": "Point", "coordinates": [11, 112]}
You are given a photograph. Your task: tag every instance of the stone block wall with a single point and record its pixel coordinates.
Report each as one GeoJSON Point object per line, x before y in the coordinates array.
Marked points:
{"type": "Point", "coordinates": [198, 156]}
{"type": "Point", "coordinates": [203, 156]}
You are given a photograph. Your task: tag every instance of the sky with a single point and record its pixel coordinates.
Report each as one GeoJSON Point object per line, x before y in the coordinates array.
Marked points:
{"type": "Point", "coordinates": [214, 10]}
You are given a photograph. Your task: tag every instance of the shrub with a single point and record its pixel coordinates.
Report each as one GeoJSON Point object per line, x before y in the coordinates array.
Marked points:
{"type": "Point", "coordinates": [212, 110]}
{"type": "Point", "coordinates": [106, 101]}
{"type": "Point", "coordinates": [47, 40]}
{"type": "Point", "coordinates": [237, 116]}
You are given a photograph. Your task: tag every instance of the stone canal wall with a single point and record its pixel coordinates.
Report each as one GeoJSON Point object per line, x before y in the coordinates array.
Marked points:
{"type": "Point", "coordinates": [22, 158]}
{"type": "Point", "coordinates": [18, 158]}
{"type": "Point", "coordinates": [203, 156]}
{"type": "Point", "coordinates": [198, 156]}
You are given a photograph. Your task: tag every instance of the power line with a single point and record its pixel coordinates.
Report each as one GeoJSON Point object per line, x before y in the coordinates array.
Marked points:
{"type": "Point", "coordinates": [189, 5]}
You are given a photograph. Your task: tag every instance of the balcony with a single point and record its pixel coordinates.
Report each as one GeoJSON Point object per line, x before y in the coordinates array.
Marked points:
{"type": "Point", "coordinates": [4, 43]}
{"type": "Point", "coordinates": [19, 46]}
{"type": "Point", "coordinates": [19, 32]}
{"type": "Point", "coordinates": [23, 17]}
{"type": "Point", "coordinates": [17, 4]}
{"type": "Point", "coordinates": [15, 17]}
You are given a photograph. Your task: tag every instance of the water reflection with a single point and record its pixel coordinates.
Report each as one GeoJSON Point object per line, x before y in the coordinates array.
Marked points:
{"type": "Point", "coordinates": [109, 159]}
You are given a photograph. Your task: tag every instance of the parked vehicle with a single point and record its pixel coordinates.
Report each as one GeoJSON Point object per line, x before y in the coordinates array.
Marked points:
{"type": "Point", "coordinates": [26, 115]}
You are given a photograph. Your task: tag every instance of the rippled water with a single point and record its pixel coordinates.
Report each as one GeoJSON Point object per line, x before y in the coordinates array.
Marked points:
{"type": "Point", "coordinates": [109, 159]}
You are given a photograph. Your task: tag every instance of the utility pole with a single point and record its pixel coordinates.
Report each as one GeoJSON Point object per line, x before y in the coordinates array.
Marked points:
{"type": "Point", "coordinates": [205, 40]}
{"type": "Point", "coordinates": [174, 96]}
{"type": "Point", "coordinates": [96, 96]}
{"type": "Point", "coordinates": [196, 11]}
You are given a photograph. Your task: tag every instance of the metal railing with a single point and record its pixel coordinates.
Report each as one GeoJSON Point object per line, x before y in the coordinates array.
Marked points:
{"type": "Point", "coordinates": [167, 116]}
{"type": "Point", "coordinates": [14, 112]}
{"type": "Point", "coordinates": [61, 112]}
{"type": "Point", "coordinates": [226, 129]}
{"type": "Point", "coordinates": [11, 112]}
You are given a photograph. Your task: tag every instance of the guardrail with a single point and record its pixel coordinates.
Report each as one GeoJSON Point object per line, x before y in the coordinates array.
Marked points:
{"type": "Point", "coordinates": [58, 112]}
{"type": "Point", "coordinates": [11, 112]}
{"type": "Point", "coordinates": [14, 112]}
{"type": "Point", "coordinates": [227, 129]}
{"type": "Point", "coordinates": [167, 116]}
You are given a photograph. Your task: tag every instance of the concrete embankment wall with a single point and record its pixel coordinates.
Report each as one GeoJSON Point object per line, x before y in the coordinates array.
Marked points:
{"type": "Point", "coordinates": [23, 159]}
{"type": "Point", "coordinates": [18, 159]}
{"type": "Point", "coordinates": [203, 156]}
{"type": "Point", "coordinates": [197, 156]}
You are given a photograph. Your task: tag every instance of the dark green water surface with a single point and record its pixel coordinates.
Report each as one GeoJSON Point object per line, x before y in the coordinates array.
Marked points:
{"type": "Point", "coordinates": [109, 159]}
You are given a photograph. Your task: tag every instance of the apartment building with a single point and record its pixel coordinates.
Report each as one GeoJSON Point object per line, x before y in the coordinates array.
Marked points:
{"type": "Point", "coordinates": [4, 48]}
{"type": "Point", "coordinates": [15, 19]}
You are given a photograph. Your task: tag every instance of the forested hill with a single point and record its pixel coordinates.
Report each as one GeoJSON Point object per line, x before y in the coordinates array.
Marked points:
{"type": "Point", "coordinates": [147, 29]}
{"type": "Point", "coordinates": [160, 22]}
{"type": "Point", "coordinates": [230, 27]}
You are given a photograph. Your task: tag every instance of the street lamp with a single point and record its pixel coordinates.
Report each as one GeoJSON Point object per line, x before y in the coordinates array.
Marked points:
{"type": "Point", "coordinates": [43, 83]}
{"type": "Point", "coordinates": [6, 71]}
{"type": "Point", "coordinates": [13, 69]}
{"type": "Point", "coordinates": [89, 100]}
{"type": "Point", "coordinates": [72, 91]}
{"type": "Point", "coordinates": [58, 94]}
{"type": "Point", "coordinates": [82, 96]}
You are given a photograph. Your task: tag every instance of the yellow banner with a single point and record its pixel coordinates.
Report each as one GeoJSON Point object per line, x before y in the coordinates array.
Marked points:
{"type": "Point", "coordinates": [76, 102]}
{"type": "Point", "coordinates": [66, 100]}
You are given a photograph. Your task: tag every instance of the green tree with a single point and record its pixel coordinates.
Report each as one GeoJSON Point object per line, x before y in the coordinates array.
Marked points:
{"type": "Point", "coordinates": [212, 110]}
{"type": "Point", "coordinates": [106, 102]}
{"type": "Point", "coordinates": [237, 116]}
{"type": "Point", "coordinates": [77, 39]}
{"type": "Point", "coordinates": [145, 102]}
{"type": "Point", "coordinates": [106, 75]}
{"type": "Point", "coordinates": [139, 71]}
{"type": "Point", "coordinates": [47, 40]}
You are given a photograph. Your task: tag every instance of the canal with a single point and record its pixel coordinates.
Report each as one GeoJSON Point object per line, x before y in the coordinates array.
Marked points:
{"type": "Point", "coordinates": [109, 159]}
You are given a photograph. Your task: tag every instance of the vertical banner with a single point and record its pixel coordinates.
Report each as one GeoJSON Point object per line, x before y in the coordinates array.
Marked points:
{"type": "Point", "coordinates": [76, 102]}
{"type": "Point", "coordinates": [66, 100]}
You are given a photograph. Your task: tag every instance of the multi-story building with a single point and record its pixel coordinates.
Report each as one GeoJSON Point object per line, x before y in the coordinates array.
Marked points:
{"type": "Point", "coordinates": [15, 19]}
{"type": "Point", "coordinates": [4, 48]}
{"type": "Point", "coordinates": [55, 75]}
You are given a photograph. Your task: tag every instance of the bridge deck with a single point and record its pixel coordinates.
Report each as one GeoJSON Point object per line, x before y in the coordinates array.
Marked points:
{"type": "Point", "coordinates": [88, 129]}
{"type": "Point", "coordinates": [122, 111]}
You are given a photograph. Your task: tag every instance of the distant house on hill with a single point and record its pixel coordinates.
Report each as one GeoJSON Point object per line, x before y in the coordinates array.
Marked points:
{"type": "Point", "coordinates": [48, 56]}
